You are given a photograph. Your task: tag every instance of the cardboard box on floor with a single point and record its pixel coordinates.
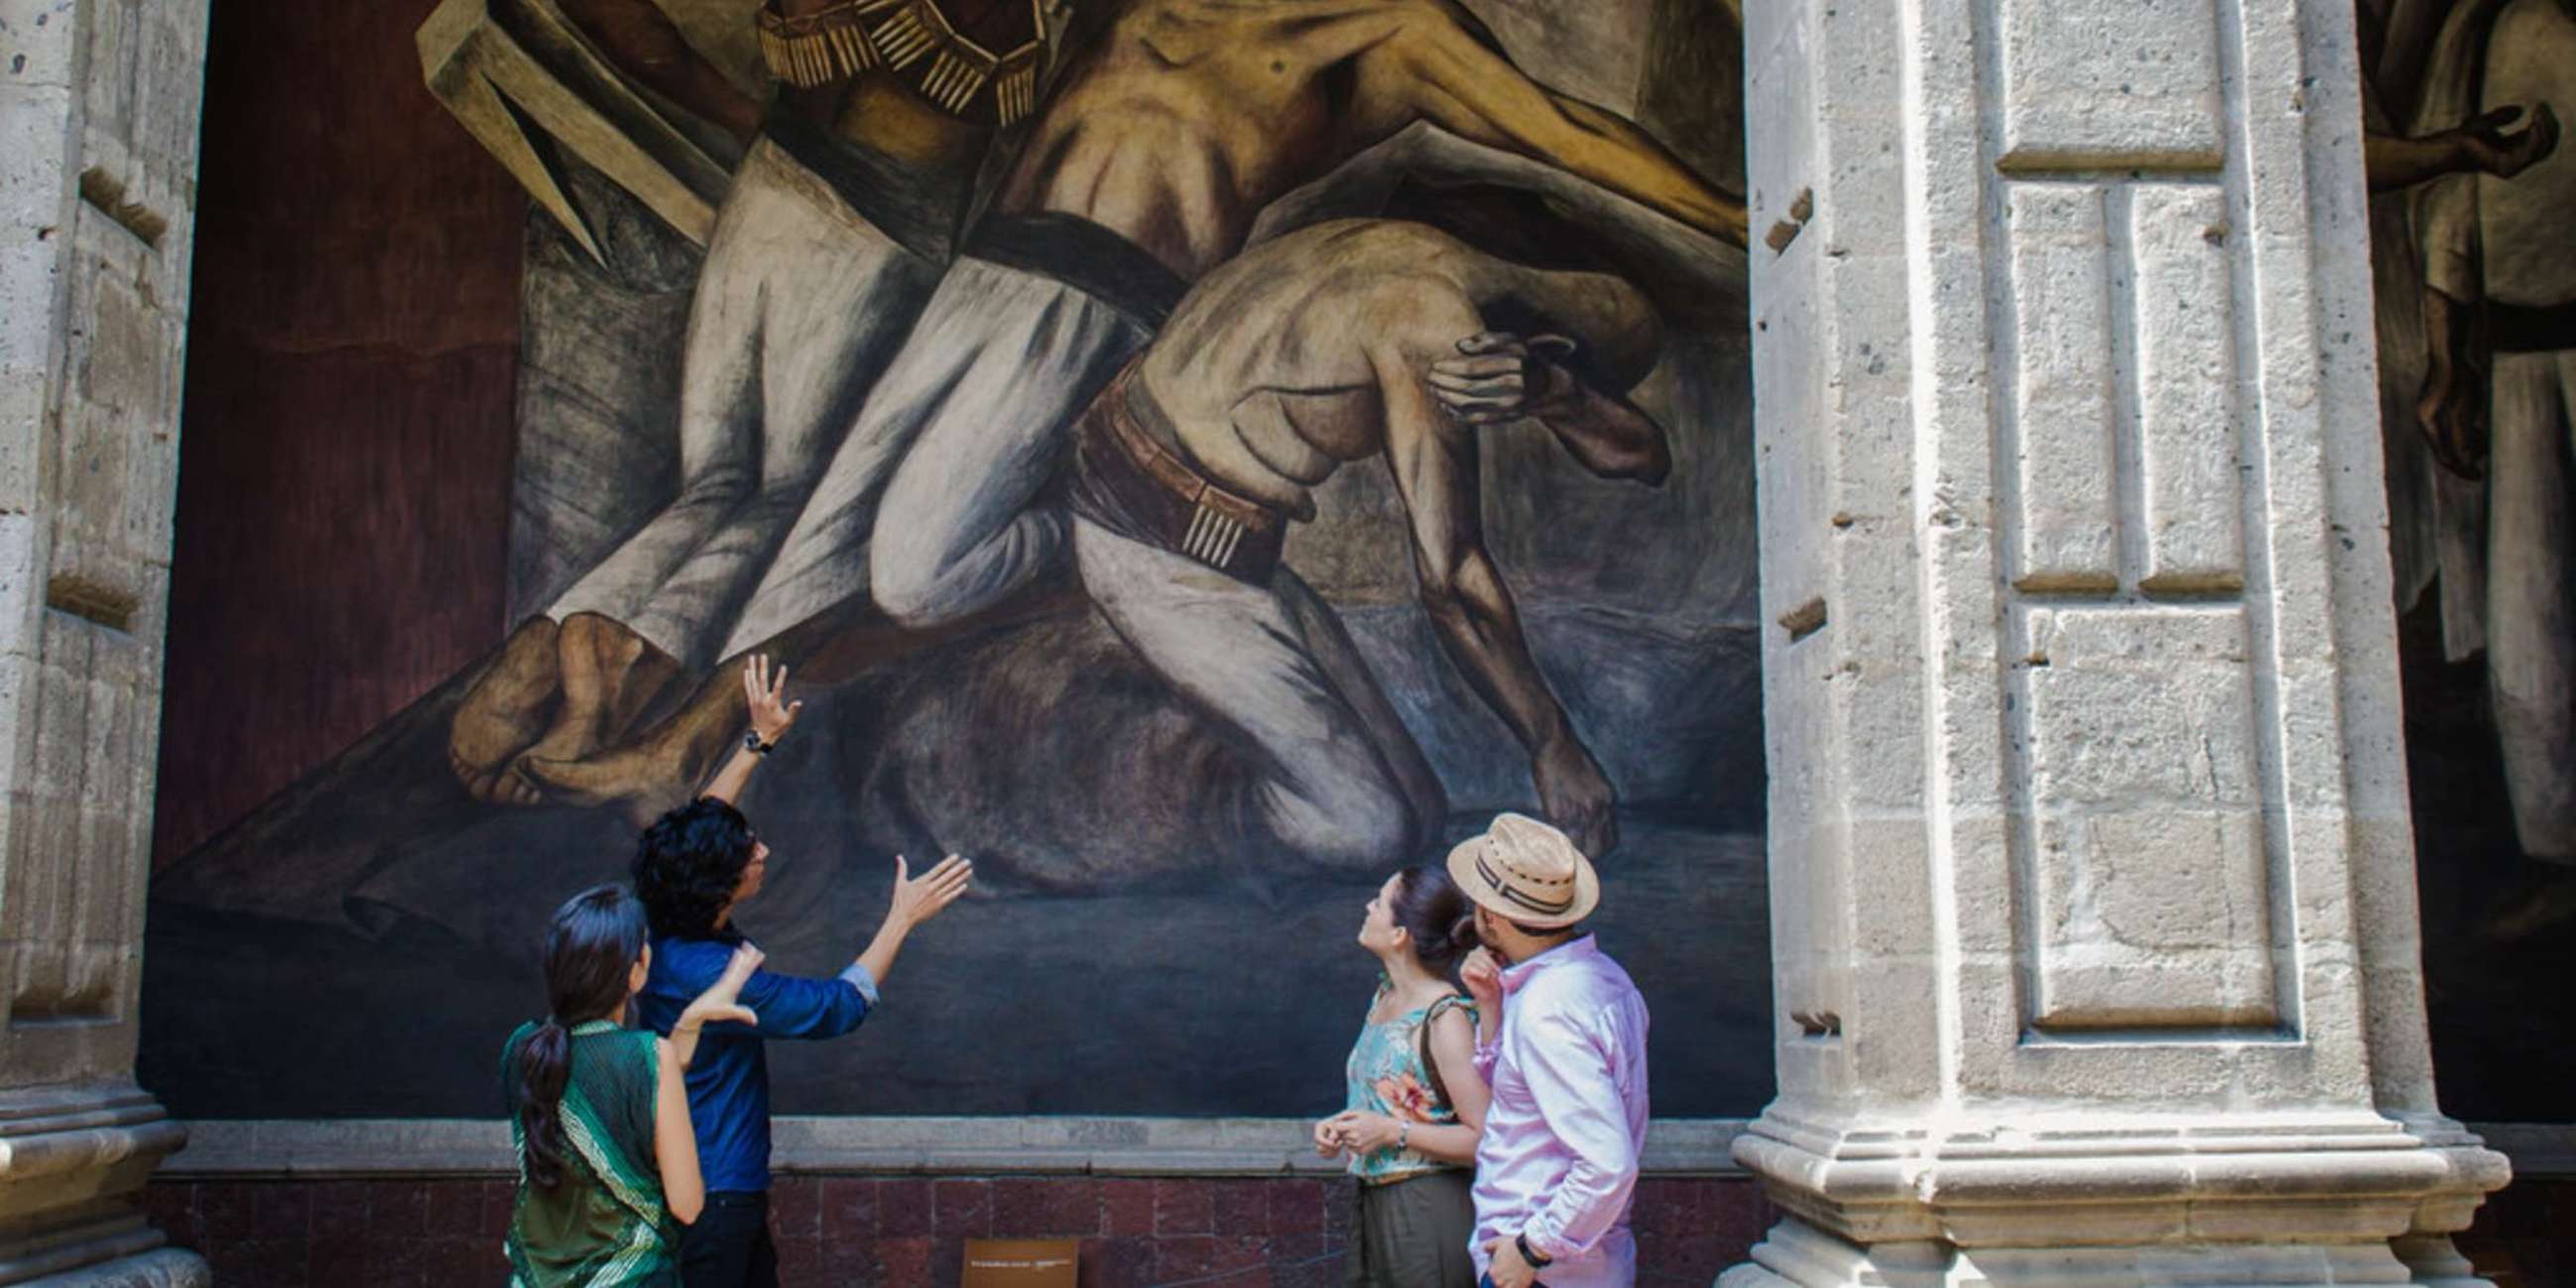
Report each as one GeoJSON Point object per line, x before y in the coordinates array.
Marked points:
{"type": "Point", "coordinates": [1020, 1263]}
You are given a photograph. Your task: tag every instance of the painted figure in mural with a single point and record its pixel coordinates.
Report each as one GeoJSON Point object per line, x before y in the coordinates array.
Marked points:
{"type": "Point", "coordinates": [607, 1155]}
{"type": "Point", "coordinates": [694, 868]}
{"type": "Point", "coordinates": [1335, 343]}
{"type": "Point", "coordinates": [831, 238]}
{"type": "Point", "coordinates": [1414, 1105]}
{"type": "Point", "coordinates": [1556, 1171]}
{"type": "Point", "coordinates": [1145, 169]}
{"type": "Point", "coordinates": [2499, 398]}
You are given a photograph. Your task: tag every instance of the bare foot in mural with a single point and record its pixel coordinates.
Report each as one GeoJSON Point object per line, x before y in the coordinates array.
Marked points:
{"type": "Point", "coordinates": [659, 771]}
{"type": "Point", "coordinates": [505, 711]}
{"type": "Point", "coordinates": [610, 674]}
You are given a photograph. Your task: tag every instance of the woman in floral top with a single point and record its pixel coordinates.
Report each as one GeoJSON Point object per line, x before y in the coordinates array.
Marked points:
{"type": "Point", "coordinates": [1415, 1104]}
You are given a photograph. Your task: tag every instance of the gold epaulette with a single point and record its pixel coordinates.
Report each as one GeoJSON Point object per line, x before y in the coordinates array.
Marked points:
{"type": "Point", "coordinates": [910, 36]}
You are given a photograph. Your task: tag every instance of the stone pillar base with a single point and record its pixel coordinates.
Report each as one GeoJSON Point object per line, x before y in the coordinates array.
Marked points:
{"type": "Point", "coordinates": [159, 1268]}
{"type": "Point", "coordinates": [2107, 1199]}
{"type": "Point", "coordinates": [71, 1161]}
{"type": "Point", "coordinates": [1798, 1255]}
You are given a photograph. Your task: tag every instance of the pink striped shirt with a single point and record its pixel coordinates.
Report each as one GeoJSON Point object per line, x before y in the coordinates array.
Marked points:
{"type": "Point", "coordinates": [1558, 1160]}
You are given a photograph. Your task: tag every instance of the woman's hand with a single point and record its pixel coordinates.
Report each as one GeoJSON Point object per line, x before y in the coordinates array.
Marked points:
{"type": "Point", "coordinates": [1362, 1132]}
{"type": "Point", "coordinates": [1328, 1138]}
{"type": "Point", "coordinates": [720, 1003]}
{"type": "Point", "coordinates": [771, 712]}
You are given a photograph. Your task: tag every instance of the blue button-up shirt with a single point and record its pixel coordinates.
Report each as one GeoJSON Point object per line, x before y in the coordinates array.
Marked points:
{"type": "Point", "coordinates": [729, 1076]}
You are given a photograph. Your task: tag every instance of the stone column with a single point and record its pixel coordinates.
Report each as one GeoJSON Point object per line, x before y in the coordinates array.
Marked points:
{"type": "Point", "coordinates": [2092, 886]}
{"type": "Point", "coordinates": [99, 105]}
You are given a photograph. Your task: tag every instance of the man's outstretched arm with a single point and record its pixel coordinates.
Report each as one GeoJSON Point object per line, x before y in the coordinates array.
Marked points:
{"type": "Point", "coordinates": [1435, 67]}
{"type": "Point", "coordinates": [1471, 609]}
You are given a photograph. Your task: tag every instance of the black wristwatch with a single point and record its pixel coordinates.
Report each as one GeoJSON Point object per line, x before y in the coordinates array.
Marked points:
{"type": "Point", "coordinates": [751, 742]}
{"type": "Point", "coordinates": [1536, 1262]}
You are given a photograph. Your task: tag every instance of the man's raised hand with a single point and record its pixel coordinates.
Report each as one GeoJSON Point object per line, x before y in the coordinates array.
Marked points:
{"type": "Point", "coordinates": [771, 712]}
{"type": "Point", "coordinates": [918, 899]}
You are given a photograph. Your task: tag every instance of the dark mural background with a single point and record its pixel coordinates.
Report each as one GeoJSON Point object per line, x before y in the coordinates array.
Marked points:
{"type": "Point", "coordinates": [2475, 276]}
{"type": "Point", "coordinates": [417, 410]}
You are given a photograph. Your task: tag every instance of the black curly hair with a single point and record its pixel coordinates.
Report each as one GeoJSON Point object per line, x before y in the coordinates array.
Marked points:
{"type": "Point", "coordinates": [689, 863]}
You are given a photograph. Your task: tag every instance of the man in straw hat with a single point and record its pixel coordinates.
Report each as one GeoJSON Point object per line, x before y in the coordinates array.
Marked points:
{"type": "Point", "coordinates": [1557, 1169]}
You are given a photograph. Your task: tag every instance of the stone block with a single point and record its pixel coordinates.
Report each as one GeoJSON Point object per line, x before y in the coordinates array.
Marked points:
{"type": "Point", "coordinates": [2153, 920]}
{"type": "Point", "coordinates": [2108, 86]}
{"type": "Point", "coordinates": [2189, 448]}
{"type": "Point", "coordinates": [169, 88]}
{"type": "Point", "coordinates": [114, 28]}
{"type": "Point", "coordinates": [2065, 465]}
{"type": "Point", "coordinates": [2139, 706]}
{"type": "Point", "coordinates": [37, 42]}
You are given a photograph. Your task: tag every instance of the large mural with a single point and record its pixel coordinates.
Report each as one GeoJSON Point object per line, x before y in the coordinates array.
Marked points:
{"type": "Point", "coordinates": [1193, 457]}
{"type": "Point", "coordinates": [2472, 189]}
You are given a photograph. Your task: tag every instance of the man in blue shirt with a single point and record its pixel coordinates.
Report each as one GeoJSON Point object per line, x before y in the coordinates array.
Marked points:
{"type": "Point", "coordinates": [693, 867]}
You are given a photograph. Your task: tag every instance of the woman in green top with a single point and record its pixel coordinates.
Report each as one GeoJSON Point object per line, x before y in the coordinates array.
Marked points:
{"type": "Point", "coordinates": [599, 1113]}
{"type": "Point", "coordinates": [1415, 1105]}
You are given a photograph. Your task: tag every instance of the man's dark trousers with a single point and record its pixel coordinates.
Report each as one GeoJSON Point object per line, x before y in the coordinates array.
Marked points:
{"type": "Point", "coordinates": [728, 1245]}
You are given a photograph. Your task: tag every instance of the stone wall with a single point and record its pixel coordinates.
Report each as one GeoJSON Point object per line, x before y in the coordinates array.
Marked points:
{"type": "Point", "coordinates": [98, 163]}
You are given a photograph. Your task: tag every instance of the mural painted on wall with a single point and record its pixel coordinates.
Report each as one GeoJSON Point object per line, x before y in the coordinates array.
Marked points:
{"type": "Point", "coordinates": [1193, 457]}
{"type": "Point", "coordinates": [2473, 197]}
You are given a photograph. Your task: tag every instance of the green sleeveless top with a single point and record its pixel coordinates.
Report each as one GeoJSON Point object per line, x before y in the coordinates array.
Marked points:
{"type": "Point", "coordinates": [1385, 1075]}
{"type": "Point", "coordinates": [604, 1224]}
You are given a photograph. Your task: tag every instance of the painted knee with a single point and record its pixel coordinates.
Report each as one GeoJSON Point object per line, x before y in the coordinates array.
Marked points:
{"type": "Point", "coordinates": [1362, 831]}
{"type": "Point", "coordinates": [908, 585]}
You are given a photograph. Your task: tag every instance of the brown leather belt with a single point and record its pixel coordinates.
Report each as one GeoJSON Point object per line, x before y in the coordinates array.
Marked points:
{"type": "Point", "coordinates": [1127, 481]}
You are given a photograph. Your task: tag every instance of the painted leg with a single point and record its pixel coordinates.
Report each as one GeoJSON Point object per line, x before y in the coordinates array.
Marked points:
{"type": "Point", "coordinates": [506, 710]}
{"type": "Point", "coordinates": [1323, 789]}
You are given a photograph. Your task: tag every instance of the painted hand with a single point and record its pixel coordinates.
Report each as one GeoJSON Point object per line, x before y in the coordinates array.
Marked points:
{"type": "Point", "coordinates": [2452, 417]}
{"type": "Point", "coordinates": [1501, 377]}
{"type": "Point", "coordinates": [1576, 796]}
{"type": "Point", "coordinates": [2487, 143]}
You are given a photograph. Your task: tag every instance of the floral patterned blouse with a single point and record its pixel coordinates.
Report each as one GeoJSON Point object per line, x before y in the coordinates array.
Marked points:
{"type": "Point", "coordinates": [1386, 1076]}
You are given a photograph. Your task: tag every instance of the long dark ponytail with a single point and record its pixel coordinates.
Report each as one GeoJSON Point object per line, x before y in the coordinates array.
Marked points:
{"type": "Point", "coordinates": [590, 949]}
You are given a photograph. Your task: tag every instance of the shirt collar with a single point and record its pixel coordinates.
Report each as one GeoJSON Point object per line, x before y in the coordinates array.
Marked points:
{"type": "Point", "coordinates": [1579, 948]}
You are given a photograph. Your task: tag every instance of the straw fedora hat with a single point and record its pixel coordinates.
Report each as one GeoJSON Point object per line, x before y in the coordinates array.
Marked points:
{"type": "Point", "coordinates": [1526, 872]}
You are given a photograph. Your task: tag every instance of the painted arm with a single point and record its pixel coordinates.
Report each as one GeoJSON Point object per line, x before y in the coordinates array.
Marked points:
{"type": "Point", "coordinates": [644, 42]}
{"type": "Point", "coordinates": [2450, 410]}
{"type": "Point", "coordinates": [1437, 66]}
{"type": "Point", "coordinates": [1498, 377]}
{"type": "Point", "coordinates": [2481, 144]}
{"type": "Point", "coordinates": [1434, 463]}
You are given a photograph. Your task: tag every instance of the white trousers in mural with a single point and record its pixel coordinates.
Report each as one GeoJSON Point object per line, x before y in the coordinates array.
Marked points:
{"type": "Point", "coordinates": [971, 422]}
{"type": "Point", "coordinates": [1337, 778]}
{"type": "Point", "coordinates": [2531, 593]}
{"type": "Point", "coordinates": [800, 304]}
